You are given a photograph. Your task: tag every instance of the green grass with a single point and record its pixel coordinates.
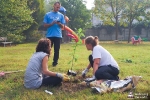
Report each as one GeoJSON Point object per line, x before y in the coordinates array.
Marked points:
{"type": "Point", "coordinates": [16, 58]}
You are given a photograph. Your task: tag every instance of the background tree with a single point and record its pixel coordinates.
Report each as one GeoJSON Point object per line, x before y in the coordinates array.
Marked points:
{"type": "Point", "coordinates": [147, 21]}
{"type": "Point", "coordinates": [37, 7]}
{"type": "Point", "coordinates": [79, 16]}
{"type": "Point", "coordinates": [49, 5]}
{"type": "Point", "coordinates": [15, 17]}
{"type": "Point", "coordinates": [134, 10]}
{"type": "Point", "coordinates": [110, 12]}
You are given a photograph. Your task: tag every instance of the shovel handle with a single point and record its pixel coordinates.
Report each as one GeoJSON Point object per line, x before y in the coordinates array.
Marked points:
{"type": "Point", "coordinates": [9, 72]}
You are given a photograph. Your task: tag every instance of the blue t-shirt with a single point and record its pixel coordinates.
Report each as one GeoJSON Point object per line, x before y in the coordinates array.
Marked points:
{"type": "Point", "coordinates": [33, 75]}
{"type": "Point", "coordinates": [55, 30]}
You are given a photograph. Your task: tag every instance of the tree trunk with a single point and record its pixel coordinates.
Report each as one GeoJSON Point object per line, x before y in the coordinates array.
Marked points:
{"type": "Point", "coordinates": [116, 28]}
{"type": "Point", "coordinates": [116, 20]}
{"type": "Point", "coordinates": [129, 32]}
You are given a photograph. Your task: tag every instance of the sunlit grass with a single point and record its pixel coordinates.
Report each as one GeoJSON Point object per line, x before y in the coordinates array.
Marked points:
{"type": "Point", "coordinates": [16, 58]}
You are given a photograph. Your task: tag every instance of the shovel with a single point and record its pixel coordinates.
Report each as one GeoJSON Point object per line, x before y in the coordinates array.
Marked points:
{"type": "Point", "coordinates": [2, 74]}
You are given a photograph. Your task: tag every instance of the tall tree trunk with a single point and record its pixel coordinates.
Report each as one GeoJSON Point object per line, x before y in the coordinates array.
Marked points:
{"type": "Point", "coordinates": [129, 32]}
{"type": "Point", "coordinates": [116, 28]}
{"type": "Point", "coordinates": [116, 19]}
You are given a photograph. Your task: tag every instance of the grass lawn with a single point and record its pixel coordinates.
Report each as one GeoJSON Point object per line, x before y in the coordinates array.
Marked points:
{"type": "Point", "coordinates": [16, 58]}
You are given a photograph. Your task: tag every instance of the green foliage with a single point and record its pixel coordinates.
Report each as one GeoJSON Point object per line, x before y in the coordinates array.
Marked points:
{"type": "Point", "coordinates": [133, 11]}
{"type": "Point", "coordinates": [74, 46]}
{"type": "Point", "coordinates": [110, 12]}
{"type": "Point", "coordinates": [128, 61]}
{"type": "Point", "coordinates": [123, 12]}
{"type": "Point", "coordinates": [37, 7]}
{"type": "Point", "coordinates": [15, 38]}
{"type": "Point", "coordinates": [147, 18]}
{"type": "Point", "coordinates": [49, 5]}
{"type": "Point", "coordinates": [77, 13]}
{"type": "Point", "coordinates": [35, 36]}
{"type": "Point", "coordinates": [80, 34]}
{"type": "Point", "coordinates": [15, 17]}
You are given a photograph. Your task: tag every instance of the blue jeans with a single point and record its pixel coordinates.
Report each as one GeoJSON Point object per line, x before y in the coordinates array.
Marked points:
{"type": "Point", "coordinates": [105, 72]}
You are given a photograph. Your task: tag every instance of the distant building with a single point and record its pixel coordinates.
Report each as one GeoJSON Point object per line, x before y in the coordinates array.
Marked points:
{"type": "Point", "coordinates": [95, 20]}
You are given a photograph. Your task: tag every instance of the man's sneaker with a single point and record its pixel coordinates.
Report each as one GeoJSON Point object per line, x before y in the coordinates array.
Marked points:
{"type": "Point", "coordinates": [54, 64]}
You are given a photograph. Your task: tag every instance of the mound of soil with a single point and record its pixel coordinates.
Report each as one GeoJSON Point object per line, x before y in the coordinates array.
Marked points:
{"type": "Point", "coordinates": [73, 85]}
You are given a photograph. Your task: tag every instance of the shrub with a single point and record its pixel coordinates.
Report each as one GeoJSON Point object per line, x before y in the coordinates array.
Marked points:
{"type": "Point", "coordinates": [35, 36]}
{"type": "Point", "coordinates": [15, 38]}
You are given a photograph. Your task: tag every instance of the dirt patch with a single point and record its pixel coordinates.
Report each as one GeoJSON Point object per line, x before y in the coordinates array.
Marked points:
{"type": "Point", "coordinates": [73, 85]}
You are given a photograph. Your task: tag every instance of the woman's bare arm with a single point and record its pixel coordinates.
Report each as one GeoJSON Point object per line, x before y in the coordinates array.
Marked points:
{"type": "Point", "coordinates": [45, 67]}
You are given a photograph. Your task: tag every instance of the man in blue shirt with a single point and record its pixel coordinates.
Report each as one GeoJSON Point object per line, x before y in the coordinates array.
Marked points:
{"type": "Point", "coordinates": [54, 21]}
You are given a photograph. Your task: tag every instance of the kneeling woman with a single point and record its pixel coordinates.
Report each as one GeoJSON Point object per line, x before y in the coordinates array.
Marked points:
{"type": "Point", "coordinates": [37, 73]}
{"type": "Point", "coordinates": [104, 65]}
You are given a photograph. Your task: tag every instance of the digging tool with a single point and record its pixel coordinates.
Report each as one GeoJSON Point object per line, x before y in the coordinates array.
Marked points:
{"type": "Point", "coordinates": [2, 74]}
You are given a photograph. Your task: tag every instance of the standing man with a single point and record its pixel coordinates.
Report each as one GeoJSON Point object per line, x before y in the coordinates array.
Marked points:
{"type": "Point", "coordinates": [54, 21]}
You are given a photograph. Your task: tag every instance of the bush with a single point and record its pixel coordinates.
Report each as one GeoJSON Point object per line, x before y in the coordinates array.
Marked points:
{"type": "Point", "coordinates": [35, 36]}
{"type": "Point", "coordinates": [15, 38]}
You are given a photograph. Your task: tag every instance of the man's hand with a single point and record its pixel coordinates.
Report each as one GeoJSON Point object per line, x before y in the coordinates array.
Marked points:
{"type": "Point", "coordinates": [54, 22]}
{"type": "Point", "coordinates": [59, 23]}
{"type": "Point", "coordinates": [50, 24]}
{"type": "Point", "coordinates": [84, 72]}
{"type": "Point", "coordinates": [90, 79]}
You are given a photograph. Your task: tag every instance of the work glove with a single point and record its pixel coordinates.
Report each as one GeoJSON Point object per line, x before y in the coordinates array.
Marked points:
{"type": "Point", "coordinates": [64, 77]}
{"type": "Point", "coordinates": [84, 72]}
{"type": "Point", "coordinates": [93, 78]}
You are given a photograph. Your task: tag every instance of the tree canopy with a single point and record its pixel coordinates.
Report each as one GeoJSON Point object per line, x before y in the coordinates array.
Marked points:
{"type": "Point", "coordinates": [79, 16]}
{"type": "Point", "coordinates": [20, 18]}
{"type": "Point", "coordinates": [109, 11]}
{"type": "Point", "coordinates": [15, 17]}
{"type": "Point", "coordinates": [121, 12]}
{"type": "Point", "coordinates": [38, 11]}
{"type": "Point", "coordinates": [134, 10]}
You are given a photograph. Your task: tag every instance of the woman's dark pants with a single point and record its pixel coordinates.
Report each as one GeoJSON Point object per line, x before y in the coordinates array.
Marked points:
{"type": "Point", "coordinates": [51, 81]}
{"type": "Point", "coordinates": [105, 72]}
